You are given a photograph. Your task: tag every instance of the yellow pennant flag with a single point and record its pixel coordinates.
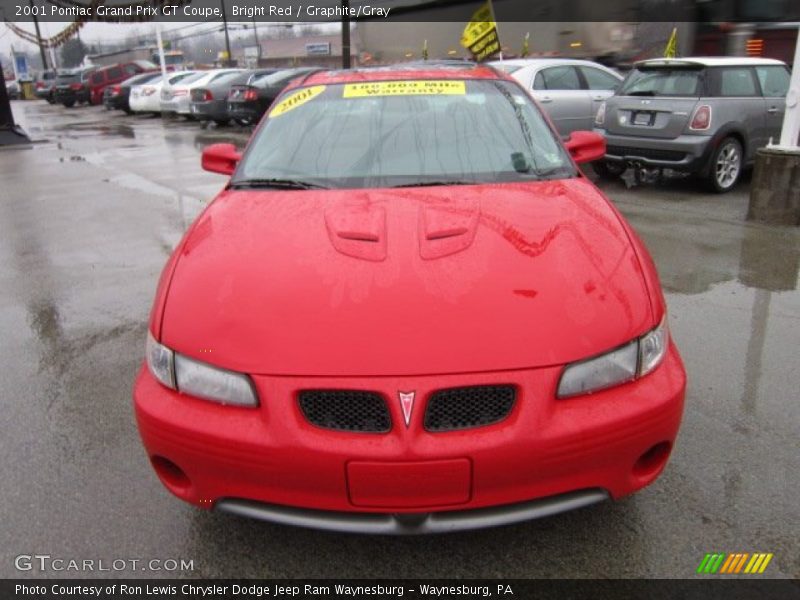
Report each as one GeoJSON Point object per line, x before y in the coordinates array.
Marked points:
{"type": "Point", "coordinates": [671, 51]}
{"type": "Point", "coordinates": [480, 35]}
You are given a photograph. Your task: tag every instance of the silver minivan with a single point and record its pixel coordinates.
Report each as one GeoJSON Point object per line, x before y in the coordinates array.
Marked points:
{"type": "Point", "coordinates": [569, 90]}
{"type": "Point", "coordinates": [705, 116]}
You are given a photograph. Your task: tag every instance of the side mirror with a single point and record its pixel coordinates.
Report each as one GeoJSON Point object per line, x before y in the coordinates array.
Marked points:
{"type": "Point", "coordinates": [586, 146]}
{"type": "Point", "coordinates": [221, 158]}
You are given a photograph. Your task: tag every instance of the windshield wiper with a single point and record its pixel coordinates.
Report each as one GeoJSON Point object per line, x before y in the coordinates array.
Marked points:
{"type": "Point", "coordinates": [288, 184]}
{"type": "Point", "coordinates": [551, 172]}
{"type": "Point", "coordinates": [434, 183]}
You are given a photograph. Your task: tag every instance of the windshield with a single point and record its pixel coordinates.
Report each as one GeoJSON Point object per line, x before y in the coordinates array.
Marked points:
{"type": "Point", "coordinates": [396, 133]}
{"type": "Point", "coordinates": [662, 82]}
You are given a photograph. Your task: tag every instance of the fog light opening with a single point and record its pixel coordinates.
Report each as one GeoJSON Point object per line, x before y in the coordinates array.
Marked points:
{"type": "Point", "coordinates": [170, 474]}
{"type": "Point", "coordinates": [651, 462]}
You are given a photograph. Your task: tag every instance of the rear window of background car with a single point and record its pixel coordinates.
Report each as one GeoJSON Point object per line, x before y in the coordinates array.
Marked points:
{"type": "Point", "coordinates": [99, 77]}
{"type": "Point", "coordinates": [557, 78]}
{"type": "Point", "coordinates": [662, 82]}
{"type": "Point", "coordinates": [774, 80]}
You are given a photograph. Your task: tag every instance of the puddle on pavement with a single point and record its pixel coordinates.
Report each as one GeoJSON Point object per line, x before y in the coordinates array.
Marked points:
{"type": "Point", "coordinates": [92, 128]}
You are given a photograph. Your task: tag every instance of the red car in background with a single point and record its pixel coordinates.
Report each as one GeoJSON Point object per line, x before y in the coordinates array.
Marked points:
{"type": "Point", "coordinates": [408, 312]}
{"type": "Point", "coordinates": [103, 77]}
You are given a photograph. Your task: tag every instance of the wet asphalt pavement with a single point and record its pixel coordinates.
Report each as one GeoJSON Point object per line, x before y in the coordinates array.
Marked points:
{"type": "Point", "coordinates": [87, 220]}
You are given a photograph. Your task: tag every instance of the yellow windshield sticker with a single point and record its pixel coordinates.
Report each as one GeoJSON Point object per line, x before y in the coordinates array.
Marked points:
{"type": "Point", "coordinates": [296, 99]}
{"type": "Point", "coordinates": [404, 88]}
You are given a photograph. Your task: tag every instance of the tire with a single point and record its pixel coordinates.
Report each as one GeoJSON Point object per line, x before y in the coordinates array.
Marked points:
{"type": "Point", "coordinates": [606, 169]}
{"type": "Point", "coordinates": [50, 99]}
{"type": "Point", "coordinates": [726, 166]}
{"type": "Point", "coordinates": [222, 122]}
{"type": "Point", "coordinates": [244, 122]}
{"type": "Point", "coordinates": [68, 103]}
{"type": "Point", "coordinates": [127, 111]}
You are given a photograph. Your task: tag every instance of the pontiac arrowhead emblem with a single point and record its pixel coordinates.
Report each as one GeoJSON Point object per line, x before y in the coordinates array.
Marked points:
{"type": "Point", "coordinates": [407, 404]}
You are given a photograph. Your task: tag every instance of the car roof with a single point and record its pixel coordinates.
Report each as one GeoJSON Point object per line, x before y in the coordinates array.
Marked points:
{"type": "Point", "coordinates": [541, 62]}
{"type": "Point", "coordinates": [709, 61]}
{"type": "Point", "coordinates": [403, 71]}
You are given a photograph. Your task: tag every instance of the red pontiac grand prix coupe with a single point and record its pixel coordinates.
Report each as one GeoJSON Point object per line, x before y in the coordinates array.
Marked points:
{"type": "Point", "coordinates": [407, 312]}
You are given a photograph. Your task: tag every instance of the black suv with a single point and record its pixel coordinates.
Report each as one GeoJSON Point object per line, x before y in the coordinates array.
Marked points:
{"type": "Point", "coordinates": [72, 87]}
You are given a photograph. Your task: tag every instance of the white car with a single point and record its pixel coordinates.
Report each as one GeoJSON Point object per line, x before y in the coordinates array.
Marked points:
{"type": "Point", "coordinates": [569, 90]}
{"type": "Point", "coordinates": [146, 98]}
{"type": "Point", "coordinates": [177, 98]}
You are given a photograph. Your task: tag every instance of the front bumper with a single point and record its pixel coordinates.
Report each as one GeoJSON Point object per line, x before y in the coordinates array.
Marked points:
{"type": "Point", "coordinates": [684, 153]}
{"type": "Point", "coordinates": [271, 463]}
{"type": "Point", "coordinates": [406, 524]}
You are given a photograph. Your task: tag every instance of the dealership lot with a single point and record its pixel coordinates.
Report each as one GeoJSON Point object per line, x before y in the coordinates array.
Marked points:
{"type": "Point", "coordinates": [87, 220]}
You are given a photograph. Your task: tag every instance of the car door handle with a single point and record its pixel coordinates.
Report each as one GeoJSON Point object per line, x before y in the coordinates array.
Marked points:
{"type": "Point", "coordinates": [772, 110]}
{"type": "Point", "coordinates": [598, 97]}
{"type": "Point", "coordinates": [545, 99]}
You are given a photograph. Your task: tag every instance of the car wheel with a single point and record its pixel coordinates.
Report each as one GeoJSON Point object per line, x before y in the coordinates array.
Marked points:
{"type": "Point", "coordinates": [244, 122]}
{"type": "Point", "coordinates": [607, 169]}
{"type": "Point", "coordinates": [127, 111]}
{"type": "Point", "coordinates": [222, 122]}
{"type": "Point", "coordinates": [726, 166]}
{"type": "Point", "coordinates": [69, 103]}
{"type": "Point", "coordinates": [51, 100]}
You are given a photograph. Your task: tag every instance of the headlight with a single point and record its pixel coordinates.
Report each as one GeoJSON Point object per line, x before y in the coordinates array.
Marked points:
{"type": "Point", "coordinates": [198, 379]}
{"type": "Point", "coordinates": [600, 117]}
{"type": "Point", "coordinates": [204, 381]}
{"type": "Point", "coordinates": [160, 361]}
{"type": "Point", "coordinates": [652, 348]}
{"type": "Point", "coordinates": [631, 361]}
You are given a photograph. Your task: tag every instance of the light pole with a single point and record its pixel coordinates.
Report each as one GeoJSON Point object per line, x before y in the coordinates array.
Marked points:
{"type": "Point", "coordinates": [345, 34]}
{"type": "Point", "coordinates": [38, 36]}
{"type": "Point", "coordinates": [227, 62]}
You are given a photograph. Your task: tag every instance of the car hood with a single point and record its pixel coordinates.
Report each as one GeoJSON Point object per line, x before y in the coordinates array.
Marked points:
{"type": "Point", "coordinates": [405, 281]}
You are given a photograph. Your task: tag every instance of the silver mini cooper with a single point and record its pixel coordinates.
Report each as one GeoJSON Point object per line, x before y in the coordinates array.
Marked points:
{"type": "Point", "coordinates": [705, 116]}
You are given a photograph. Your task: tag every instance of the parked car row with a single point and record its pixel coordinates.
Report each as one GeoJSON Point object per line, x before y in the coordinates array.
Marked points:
{"type": "Point", "coordinates": [219, 95]}
{"type": "Point", "coordinates": [702, 116]}
{"type": "Point", "coordinates": [88, 85]}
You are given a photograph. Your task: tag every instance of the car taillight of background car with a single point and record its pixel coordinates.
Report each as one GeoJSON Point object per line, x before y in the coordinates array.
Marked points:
{"type": "Point", "coordinates": [200, 95]}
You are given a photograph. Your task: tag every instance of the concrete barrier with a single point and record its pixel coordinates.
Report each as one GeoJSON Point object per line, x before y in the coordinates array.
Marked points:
{"type": "Point", "coordinates": [775, 188]}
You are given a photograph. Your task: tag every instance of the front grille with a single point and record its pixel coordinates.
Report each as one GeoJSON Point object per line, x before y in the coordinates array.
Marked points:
{"type": "Point", "coordinates": [346, 410]}
{"type": "Point", "coordinates": [652, 153]}
{"type": "Point", "coordinates": [466, 407]}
